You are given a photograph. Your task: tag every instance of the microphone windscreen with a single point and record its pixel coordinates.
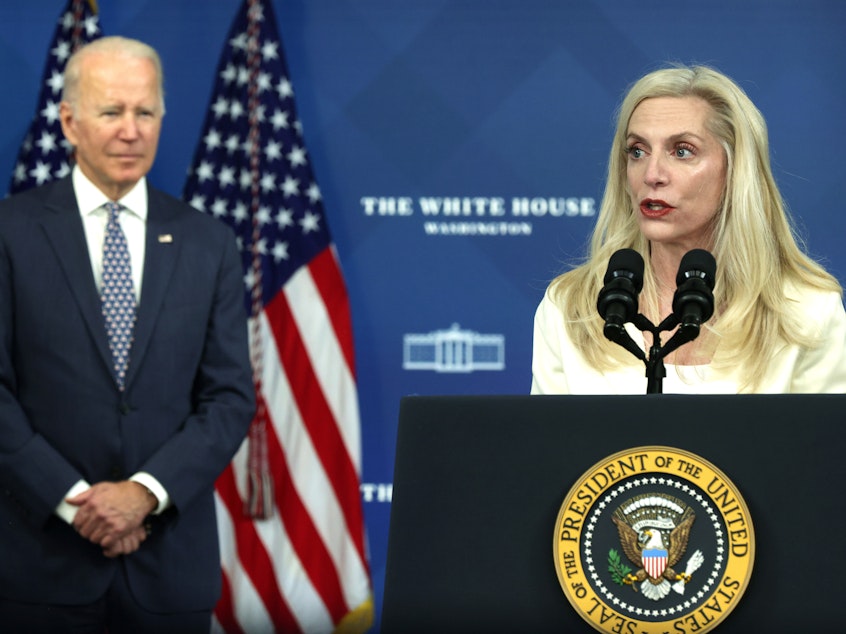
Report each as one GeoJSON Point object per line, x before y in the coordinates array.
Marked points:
{"type": "Point", "coordinates": [626, 262]}
{"type": "Point", "coordinates": [699, 263]}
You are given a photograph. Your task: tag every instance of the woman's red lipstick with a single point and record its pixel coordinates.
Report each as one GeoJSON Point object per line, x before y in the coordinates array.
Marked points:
{"type": "Point", "coordinates": [652, 208]}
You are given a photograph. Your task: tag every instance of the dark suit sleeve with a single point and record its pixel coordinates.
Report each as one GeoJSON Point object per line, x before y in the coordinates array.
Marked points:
{"type": "Point", "coordinates": [32, 472]}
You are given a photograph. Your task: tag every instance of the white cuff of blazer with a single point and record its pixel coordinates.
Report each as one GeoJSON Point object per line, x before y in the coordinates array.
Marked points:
{"type": "Point", "coordinates": [68, 511]}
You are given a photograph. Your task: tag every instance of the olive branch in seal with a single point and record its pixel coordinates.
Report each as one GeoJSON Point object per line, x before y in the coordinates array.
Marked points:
{"type": "Point", "coordinates": [616, 567]}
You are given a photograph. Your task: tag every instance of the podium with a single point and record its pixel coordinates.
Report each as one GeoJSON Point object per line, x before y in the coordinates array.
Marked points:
{"type": "Point", "coordinates": [479, 481]}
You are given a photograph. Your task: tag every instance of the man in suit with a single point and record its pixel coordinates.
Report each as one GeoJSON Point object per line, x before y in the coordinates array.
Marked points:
{"type": "Point", "coordinates": [107, 468]}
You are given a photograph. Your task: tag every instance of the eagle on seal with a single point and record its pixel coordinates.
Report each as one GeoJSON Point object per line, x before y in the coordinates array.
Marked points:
{"type": "Point", "coordinates": [654, 544]}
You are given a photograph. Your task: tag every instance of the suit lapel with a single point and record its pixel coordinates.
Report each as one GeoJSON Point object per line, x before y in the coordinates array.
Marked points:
{"type": "Point", "coordinates": [162, 247]}
{"type": "Point", "coordinates": [62, 225]}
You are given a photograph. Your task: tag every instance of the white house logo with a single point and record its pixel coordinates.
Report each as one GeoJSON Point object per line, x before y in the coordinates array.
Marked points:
{"type": "Point", "coordinates": [478, 215]}
{"type": "Point", "coordinates": [453, 350]}
{"type": "Point", "coordinates": [653, 540]}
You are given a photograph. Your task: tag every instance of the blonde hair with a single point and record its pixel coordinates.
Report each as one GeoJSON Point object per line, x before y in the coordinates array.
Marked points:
{"type": "Point", "coordinates": [754, 243]}
{"type": "Point", "coordinates": [116, 46]}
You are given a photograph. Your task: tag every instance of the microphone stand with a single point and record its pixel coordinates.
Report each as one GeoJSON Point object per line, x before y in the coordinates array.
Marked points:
{"type": "Point", "coordinates": [655, 370]}
{"type": "Point", "coordinates": [693, 303]}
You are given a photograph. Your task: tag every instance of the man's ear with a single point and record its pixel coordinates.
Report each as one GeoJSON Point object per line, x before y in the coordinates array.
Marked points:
{"type": "Point", "coordinates": [66, 118]}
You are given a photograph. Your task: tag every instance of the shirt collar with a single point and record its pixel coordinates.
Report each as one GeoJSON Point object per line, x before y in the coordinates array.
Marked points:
{"type": "Point", "coordinates": [90, 199]}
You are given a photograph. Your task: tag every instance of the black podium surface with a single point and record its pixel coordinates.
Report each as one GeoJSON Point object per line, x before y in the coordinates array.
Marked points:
{"type": "Point", "coordinates": [479, 482]}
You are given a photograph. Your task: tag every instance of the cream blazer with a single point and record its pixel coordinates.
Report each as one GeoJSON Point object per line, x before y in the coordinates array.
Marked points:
{"type": "Point", "coordinates": [558, 368]}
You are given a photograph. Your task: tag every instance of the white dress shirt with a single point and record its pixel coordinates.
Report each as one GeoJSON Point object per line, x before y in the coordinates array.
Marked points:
{"type": "Point", "coordinates": [133, 221]}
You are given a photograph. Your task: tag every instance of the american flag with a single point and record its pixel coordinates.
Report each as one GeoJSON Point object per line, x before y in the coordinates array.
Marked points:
{"type": "Point", "coordinates": [44, 153]}
{"type": "Point", "coordinates": [289, 511]}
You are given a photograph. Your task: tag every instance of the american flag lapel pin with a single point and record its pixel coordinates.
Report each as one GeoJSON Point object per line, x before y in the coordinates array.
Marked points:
{"type": "Point", "coordinates": [165, 238]}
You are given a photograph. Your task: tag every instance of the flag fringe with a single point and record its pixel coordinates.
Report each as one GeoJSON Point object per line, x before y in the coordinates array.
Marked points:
{"type": "Point", "coordinates": [260, 495]}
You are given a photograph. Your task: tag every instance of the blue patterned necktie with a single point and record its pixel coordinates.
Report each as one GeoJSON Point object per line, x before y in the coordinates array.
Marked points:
{"type": "Point", "coordinates": [118, 296]}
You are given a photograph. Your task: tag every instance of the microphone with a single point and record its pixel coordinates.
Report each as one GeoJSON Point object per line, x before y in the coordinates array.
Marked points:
{"type": "Point", "coordinates": [617, 302]}
{"type": "Point", "coordinates": [693, 301]}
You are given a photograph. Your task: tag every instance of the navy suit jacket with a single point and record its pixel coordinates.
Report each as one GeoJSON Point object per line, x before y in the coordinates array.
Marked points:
{"type": "Point", "coordinates": [188, 400]}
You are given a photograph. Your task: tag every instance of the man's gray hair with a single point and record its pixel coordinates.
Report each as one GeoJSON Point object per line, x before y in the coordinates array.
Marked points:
{"type": "Point", "coordinates": [116, 46]}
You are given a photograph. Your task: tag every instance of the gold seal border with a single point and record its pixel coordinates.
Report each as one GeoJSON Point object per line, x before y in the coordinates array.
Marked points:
{"type": "Point", "coordinates": [653, 460]}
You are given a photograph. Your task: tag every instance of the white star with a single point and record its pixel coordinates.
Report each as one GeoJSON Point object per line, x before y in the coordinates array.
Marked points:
{"type": "Point", "coordinates": [41, 173]}
{"type": "Point", "coordinates": [232, 143]}
{"type": "Point", "coordinates": [228, 73]}
{"type": "Point", "coordinates": [51, 112]}
{"type": "Point", "coordinates": [205, 171]}
{"type": "Point", "coordinates": [240, 41]}
{"type": "Point", "coordinates": [291, 186]}
{"type": "Point", "coordinates": [47, 142]}
{"type": "Point", "coordinates": [256, 13]}
{"type": "Point", "coordinates": [246, 179]}
{"type": "Point", "coordinates": [273, 150]}
{"type": "Point", "coordinates": [297, 156]}
{"type": "Point", "coordinates": [198, 202]}
{"type": "Point", "coordinates": [284, 88]}
{"type": "Point", "coordinates": [280, 251]}
{"type": "Point", "coordinates": [249, 279]}
{"type": "Point", "coordinates": [218, 208]}
{"type": "Point", "coordinates": [226, 177]}
{"type": "Point", "coordinates": [310, 222]}
{"type": "Point", "coordinates": [91, 26]}
{"type": "Point", "coordinates": [68, 21]}
{"type": "Point", "coordinates": [62, 51]}
{"type": "Point", "coordinates": [243, 75]}
{"type": "Point", "coordinates": [220, 107]}
{"type": "Point", "coordinates": [263, 82]}
{"type": "Point", "coordinates": [20, 173]}
{"type": "Point", "coordinates": [64, 170]}
{"type": "Point", "coordinates": [279, 119]}
{"type": "Point", "coordinates": [314, 195]}
{"type": "Point", "coordinates": [261, 246]}
{"type": "Point", "coordinates": [56, 82]}
{"type": "Point", "coordinates": [212, 140]}
{"type": "Point", "coordinates": [263, 215]}
{"type": "Point", "coordinates": [236, 110]}
{"type": "Point", "coordinates": [284, 218]}
{"type": "Point", "coordinates": [240, 212]}
{"type": "Point", "coordinates": [269, 50]}
{"type": "Point", "coordinates": [268, 182]}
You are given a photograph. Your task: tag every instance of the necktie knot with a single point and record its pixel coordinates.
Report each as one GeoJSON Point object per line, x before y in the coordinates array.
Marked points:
{"type": "Point", "coordinates": [118, 295]}
{"type": "Point", "coordinates": [114, 211]}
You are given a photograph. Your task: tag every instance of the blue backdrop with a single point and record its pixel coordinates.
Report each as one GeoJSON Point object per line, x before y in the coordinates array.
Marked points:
{"type": "Point", "coordinates": [460, 146]}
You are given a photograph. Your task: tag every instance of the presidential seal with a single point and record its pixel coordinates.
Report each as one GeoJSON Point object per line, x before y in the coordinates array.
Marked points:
{"type": "Point", "coordinates": [653, 540]}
